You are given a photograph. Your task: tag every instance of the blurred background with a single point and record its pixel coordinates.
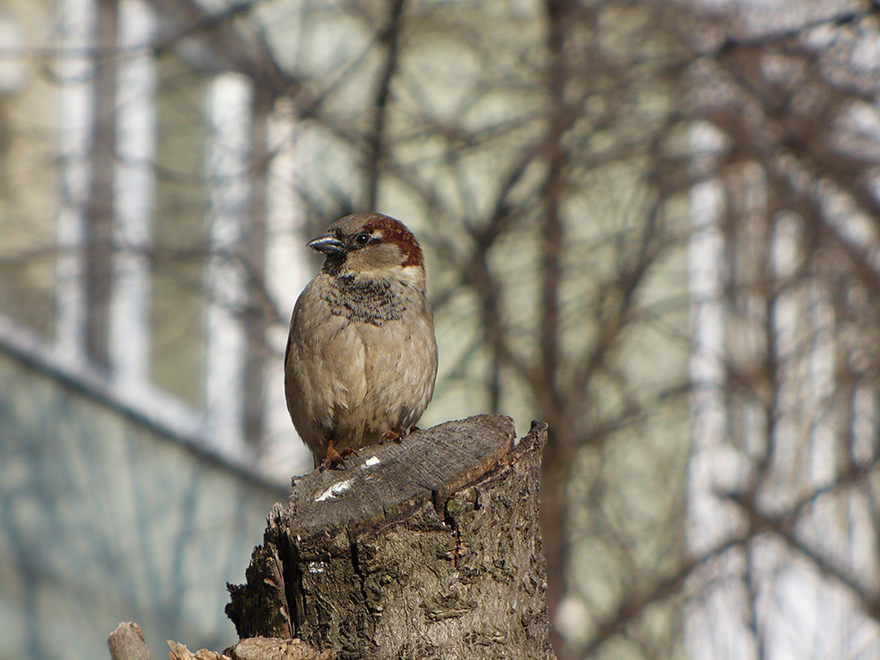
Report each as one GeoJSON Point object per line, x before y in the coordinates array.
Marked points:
{"type": "Point", "coordinates": [655, 225]}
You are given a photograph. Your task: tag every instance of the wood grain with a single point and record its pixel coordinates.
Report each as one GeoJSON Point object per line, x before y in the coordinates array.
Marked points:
{"type": "Point", "coordinates": [426, 549]}
{"type": "Point", "coordinates": [385, 482]}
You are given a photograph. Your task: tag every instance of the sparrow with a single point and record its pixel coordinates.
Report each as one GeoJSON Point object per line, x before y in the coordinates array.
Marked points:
{"type": "Point", "coordinates": [361, 357]}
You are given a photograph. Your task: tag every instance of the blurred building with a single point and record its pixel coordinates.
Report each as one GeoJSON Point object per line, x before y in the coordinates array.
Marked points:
{"type": "Point", "coordinates": [138, 206]}
{"type": "Point", "coordinates": [709, 347]}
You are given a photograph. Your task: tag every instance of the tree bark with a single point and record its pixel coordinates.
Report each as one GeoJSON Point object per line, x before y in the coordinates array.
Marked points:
{"type": "Point", "coordinates": [127, 643]}
{"type": "Point", "coordinates": [428, 548]}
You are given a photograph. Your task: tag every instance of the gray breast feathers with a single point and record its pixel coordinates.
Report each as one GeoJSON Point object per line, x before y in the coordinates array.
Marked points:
{"type": "Point", "coordinates": [367, 301]}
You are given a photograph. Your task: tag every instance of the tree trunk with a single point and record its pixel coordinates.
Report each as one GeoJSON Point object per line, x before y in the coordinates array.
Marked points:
{"type": "Point", "coordinates": [428, 548]}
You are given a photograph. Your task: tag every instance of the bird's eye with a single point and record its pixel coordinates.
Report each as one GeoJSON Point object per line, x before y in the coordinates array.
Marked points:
{"type": "Point", "coordinates": [362, 239]}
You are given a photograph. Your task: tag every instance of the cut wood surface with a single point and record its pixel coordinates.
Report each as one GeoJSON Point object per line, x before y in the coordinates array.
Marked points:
{"type": "Point", "coordinates": [387, 481]}
{"type": "Point", "coordinates": [427, 548]}
{"type": "Point", "coordinates": [127, 643]}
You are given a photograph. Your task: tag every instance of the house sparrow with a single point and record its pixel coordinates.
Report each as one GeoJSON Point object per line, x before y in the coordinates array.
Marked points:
{"type": "Point", "coordinates": [361, 357]}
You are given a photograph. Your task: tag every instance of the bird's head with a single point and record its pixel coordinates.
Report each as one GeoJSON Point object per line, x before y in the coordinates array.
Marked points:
{"type": "Point", "coordinates": [368, 244]}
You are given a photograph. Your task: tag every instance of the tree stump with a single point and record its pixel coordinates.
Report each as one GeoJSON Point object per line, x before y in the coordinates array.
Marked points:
{"type": "Point", "coordinates": [423, 549]}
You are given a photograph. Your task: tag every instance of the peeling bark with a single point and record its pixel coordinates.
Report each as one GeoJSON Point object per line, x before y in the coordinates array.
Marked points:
{"type": "Point", "coordinates": [428, 548]}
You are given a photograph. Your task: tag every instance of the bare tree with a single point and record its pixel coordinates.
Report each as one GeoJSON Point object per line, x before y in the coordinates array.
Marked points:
{"type": "Point", "coordinates": [566, 224]}
{"type": "Point", "coordinates": [650, 224]}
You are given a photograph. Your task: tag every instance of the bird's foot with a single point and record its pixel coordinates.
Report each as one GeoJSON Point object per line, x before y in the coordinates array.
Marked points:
{"type": "Point", "coordinates": [335, 458]}
{"type": "Point", "coordinates": [389, 435]}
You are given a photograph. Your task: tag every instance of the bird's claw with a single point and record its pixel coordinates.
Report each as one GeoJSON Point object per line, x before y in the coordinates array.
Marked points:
{"type": "Point", "coordinates": [390, 435]}
{"type": "Point", "coordinates": [335, 458]}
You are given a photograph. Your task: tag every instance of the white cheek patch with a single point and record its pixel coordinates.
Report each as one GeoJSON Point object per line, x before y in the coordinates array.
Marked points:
{"type": "Point", "coordinates": [412, 275]}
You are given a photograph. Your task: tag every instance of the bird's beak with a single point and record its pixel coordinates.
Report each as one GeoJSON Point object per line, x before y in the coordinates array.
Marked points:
{"type": "Point", "coordinates": [328, 244]}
